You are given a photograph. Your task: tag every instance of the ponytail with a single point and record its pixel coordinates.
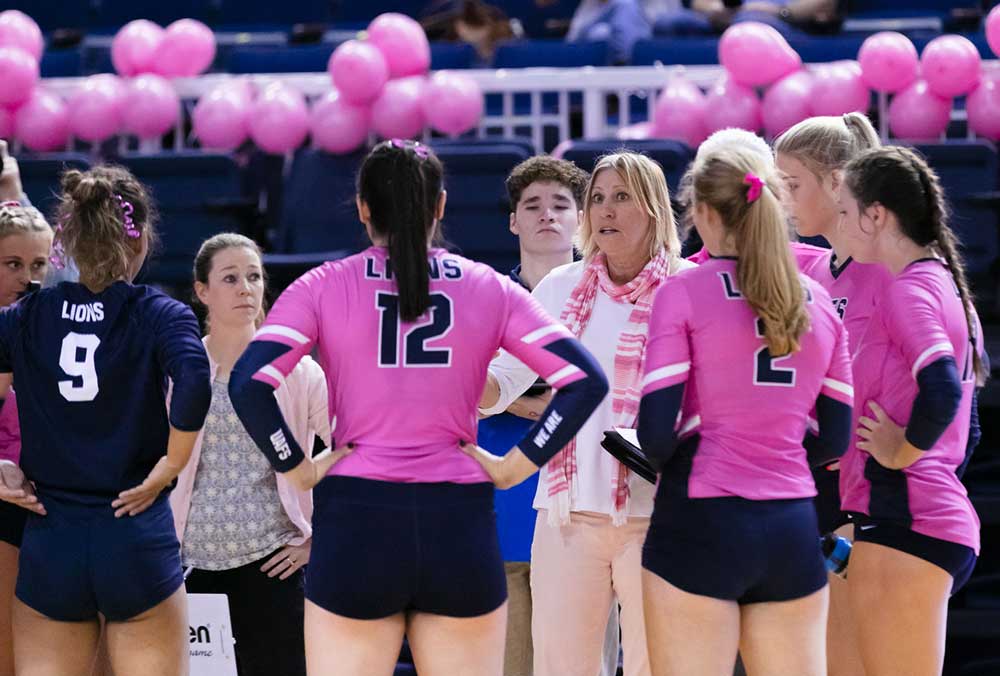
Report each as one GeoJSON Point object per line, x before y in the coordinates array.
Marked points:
{"type": "Point", "coordinates": [401, 182]}
{"type": "Point", "coordinates": [737, 185]}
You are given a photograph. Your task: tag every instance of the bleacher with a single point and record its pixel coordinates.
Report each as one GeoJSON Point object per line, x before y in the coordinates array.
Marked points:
{"type": "Point", "coordinates": [301, 207]}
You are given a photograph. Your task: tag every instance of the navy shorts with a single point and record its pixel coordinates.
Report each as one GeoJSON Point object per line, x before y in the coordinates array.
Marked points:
{"type": "Point", "coordinates": [827, 501]}
{"type": "Point", "coordinates": [12, 519]}
{"type": "Point", "coordinates": [79, 561]}
{"type": "Point", "coordinates": [380, 548]}
{"type": "Point", "coordinates": [958, 560]}
{"type": "Point", "coordinates": [730, 548]}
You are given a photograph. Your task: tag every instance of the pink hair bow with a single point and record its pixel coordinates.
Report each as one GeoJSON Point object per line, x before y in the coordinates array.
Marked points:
{"type": "Point", "coordinates": [756, 185]}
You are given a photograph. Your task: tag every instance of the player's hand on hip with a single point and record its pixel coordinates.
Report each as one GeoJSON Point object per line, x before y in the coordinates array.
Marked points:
{"type": "Point", "coordinates": [311, 471]}
{"type": "Point", "coordinates": [16, 489]}
{"type": "Point", "coordinates": [506, 471]}
{"type": "Point", "coordinates": [137, 500]}
{"type": "Point", "coordinates": [287, 560]}
{"type": "Point", "coordinates": [883, 438]}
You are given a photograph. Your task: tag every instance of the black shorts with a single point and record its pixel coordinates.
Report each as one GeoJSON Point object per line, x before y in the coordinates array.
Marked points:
{"type": "Point", "coordinates": [958, 560]}
{"type": "Point", "coordinates": [78, 561]}
{"type": "Point", "coordinates": [12, 519]}
{"type": "Point", "coordinates": [731, 548]}
{"type": "Point", "coordinates": [380, 548]}
{"type": "Point", "coordinates": [828, 512]}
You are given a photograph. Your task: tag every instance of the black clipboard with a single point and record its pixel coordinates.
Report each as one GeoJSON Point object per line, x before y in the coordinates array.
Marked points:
{"type": "Point", "coordinates": [628, 454]}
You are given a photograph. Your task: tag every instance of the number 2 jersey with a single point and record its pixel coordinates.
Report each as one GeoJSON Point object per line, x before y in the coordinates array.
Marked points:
{"type": "Point", "coordinates": [91, 370]}
{"type": "Point", "coordinates": [749, 409]}
{"type": "Point", "coordinates": [406, 393]}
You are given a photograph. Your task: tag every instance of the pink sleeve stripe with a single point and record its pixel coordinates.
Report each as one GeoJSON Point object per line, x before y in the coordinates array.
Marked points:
{"type": "Point", "coordinates": [565, 376]}
{"type": "Point", "coordinates": [838, 390]}
{"type": "Point", "coordinates": [689, 426]}
{"type": "Point", "coordinates": [271, 376]}
{"type": "Point", "coordinates": [284, 334]}
{"type": "Point", "coordinates": [538, 334]}
{"type": "Point", "coordinates": [665, 376]}
{"type": "Point", "coordinates": [943, 349]}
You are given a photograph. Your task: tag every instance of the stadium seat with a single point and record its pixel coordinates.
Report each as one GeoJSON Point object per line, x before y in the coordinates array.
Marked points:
{"type": "Point", "coordinates": [676, 51]}
{"type": "Point", "coordinates": [62, 63]}
{"type": "Point", "coordinates": [53, 14]}
{"type": "Point", "coordinates": [40, 177]}
{"type": "Point", "coordinates": [198, 195]}
{"type": "Point", "coordinates": [280, 59]}
{"type": "Point", "coordinates": [283, 14]}
{"type": "Point", "coordinates": [673, 156]}
{"type": "Point", "coordinates": [968, 172]}
{"type": "Point", "coordinates": [550, 53]}
{"type": "Point", "coordinates": [476, 221]}
{"type": "Point", "coordinates": [112, 14]}
{"type": "Point", "coordinates": [318, 210]}
{"type": "Point", "coordinates": [452, 55]}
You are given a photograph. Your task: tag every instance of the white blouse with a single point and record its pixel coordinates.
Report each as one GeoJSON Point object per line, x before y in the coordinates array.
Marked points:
{"type": "Point", "coordinates": [593, 488]}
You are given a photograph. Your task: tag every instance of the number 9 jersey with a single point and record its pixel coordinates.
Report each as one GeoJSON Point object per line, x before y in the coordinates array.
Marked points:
{"type": "Point", "coordinates": [90, 371]}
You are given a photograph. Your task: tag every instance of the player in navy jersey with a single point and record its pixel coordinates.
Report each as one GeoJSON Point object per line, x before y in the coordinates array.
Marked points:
{"type": "Point", "coordinates": [91, 361]}
{"type": "Point", "coordinates": [916, 368]}
{"type": "Point", "coordinates": [741, 350]}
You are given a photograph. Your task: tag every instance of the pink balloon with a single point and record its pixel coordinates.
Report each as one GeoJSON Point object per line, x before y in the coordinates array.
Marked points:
{"type": "Point", "coordinates": [398, 112]}
{"type": "Point", "coordinates": [639, 131]}
{"type": "Point", "coordinates": [453, 103]}
{"type": "Point", "coordinates": [18, 73]}
{"type": "Point", "coordinates": [134, 48]}
{"type": "Point", "coordinates": [756, 54]}
{"type": "Point", "coordinates": [918, 113]}
{"type": "Point", "coordinates": [6, 123]}
{"type": "Point", "coordinates": [679, 113]}
{"type": "Point", "coordinates": [221, 118]}
{"type": "Point", "coordinates": [151, 107]}
{"type": "Point", "coordinates": [279, 119]}
{"type": "Point", "coordinates": [358, 70]}
{"type": "Point", "coordinates": [187, 49]}
{"type": "Point", "coordinates": [96, 108]}
{"type": "Point", "coordinates": [950, 64]}
{"type": "Point", "coordinates": [339, 126]}
{"type": "Point", "coordinates": [888, 61]}
{"type": "Point", "coordinates": [838, 88]}
{"type": "Point", "coordinates": [730, 104]}
{"type": "Point", "coordinates": [43, 122]}
{"type": "Point", "coordinates": [786, 103]}
{"type": "Point", "coordinates": [983, 107]}
{"type": "Point", "coordinates": [993, 29]}
{"type": "Point", "coordinates": [17, 29]}
{"type": "Point", "coordinates": [402, 42]}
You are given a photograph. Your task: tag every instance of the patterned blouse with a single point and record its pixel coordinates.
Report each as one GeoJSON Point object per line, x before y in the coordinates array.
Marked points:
{"type": "Point", "coordinates": [236, 514]}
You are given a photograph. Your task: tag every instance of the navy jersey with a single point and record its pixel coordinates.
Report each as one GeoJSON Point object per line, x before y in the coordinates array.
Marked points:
{"type": "Point", "coordinates": [90, 371]}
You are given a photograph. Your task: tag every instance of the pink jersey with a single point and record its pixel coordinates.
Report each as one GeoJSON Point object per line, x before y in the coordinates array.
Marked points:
{"type": "Point", "coordinates": [10, 430]}
{"type": "Point", "coordinates": [855, 289]}
{"type": "Point", "coordinates": [405, 393]}
{"type": "Point", "coordinates": [920, 320]}
{"type": "Point", "coordinates": [804, 254]}
{"type": "Point", "coordinates": [750, 410]}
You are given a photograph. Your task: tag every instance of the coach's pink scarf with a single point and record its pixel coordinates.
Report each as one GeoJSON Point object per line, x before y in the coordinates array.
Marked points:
{"type": "Point", "coordinates": [626, 384]}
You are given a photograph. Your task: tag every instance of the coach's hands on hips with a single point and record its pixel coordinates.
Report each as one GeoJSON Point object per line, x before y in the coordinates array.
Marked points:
{"type": "Point", "coordinates": [505, 472]}
{"type": "Point", "coordinates": [137, 500]}
{"type": "Point", "coordinates": [287, 560]}
{"type": "Point", "coordinates": [311, 471]}
{"type": "Point", "coordinates": [16, 489]}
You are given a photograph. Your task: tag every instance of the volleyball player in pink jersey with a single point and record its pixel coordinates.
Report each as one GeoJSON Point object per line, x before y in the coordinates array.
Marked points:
{"type": "Point", "coordinates": [917, 533]}
{"type": "Point", "coordinates": [741, 350]}
{"type": "Point", "coordinates": [404, 534]}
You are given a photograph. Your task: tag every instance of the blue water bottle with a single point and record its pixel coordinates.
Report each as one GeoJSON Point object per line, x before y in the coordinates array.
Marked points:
{"type": "Point", "coordinates": [837, 552]}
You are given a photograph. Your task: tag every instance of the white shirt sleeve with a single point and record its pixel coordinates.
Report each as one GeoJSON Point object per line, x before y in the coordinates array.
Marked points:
{"type": "Point", "coordinates": [513, 377]}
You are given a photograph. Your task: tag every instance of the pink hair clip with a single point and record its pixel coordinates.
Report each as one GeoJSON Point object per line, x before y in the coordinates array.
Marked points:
{"type": "Point", "coordinates": [10, 203]}
{"type": "Point", "coordinates": [58, 257]}
{"type": "Point", "coordinates": [418, 148]}
{"type": "Point", "coordinates": [127, 209]}
{"type": "Point", "coordinates": [756, 186]}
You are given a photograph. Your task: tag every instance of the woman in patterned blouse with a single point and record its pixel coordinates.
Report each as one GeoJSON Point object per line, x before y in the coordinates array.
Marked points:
{"type": "Point", "coordinates": [244, 530]}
